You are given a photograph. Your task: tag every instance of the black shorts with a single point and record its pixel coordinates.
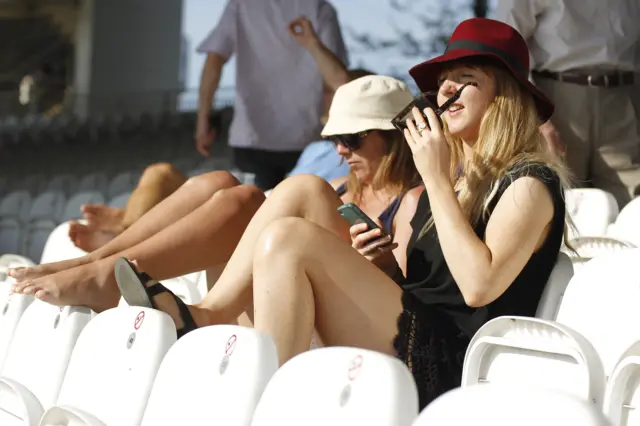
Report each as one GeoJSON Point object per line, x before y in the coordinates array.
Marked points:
{"type": "Point", "coordinates": [269, 167]}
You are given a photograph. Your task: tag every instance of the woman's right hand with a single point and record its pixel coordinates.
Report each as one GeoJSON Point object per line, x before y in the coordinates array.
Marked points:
{"type": "Point", "coordinates": [371, 245]}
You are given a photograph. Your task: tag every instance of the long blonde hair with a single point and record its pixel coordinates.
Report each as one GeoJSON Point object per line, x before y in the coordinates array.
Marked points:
{"type": "Point", "coordinates": [396, 173]}
{"type": "Point", "coordinates": [508, 141]}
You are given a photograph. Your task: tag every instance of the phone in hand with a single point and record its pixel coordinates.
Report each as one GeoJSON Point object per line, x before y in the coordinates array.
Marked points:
{"type": "Point", "coordinates": [354, 215]}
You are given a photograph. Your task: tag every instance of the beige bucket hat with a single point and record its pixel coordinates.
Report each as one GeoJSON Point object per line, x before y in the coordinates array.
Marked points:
{"type": "Point", "coordinates": [366, 103]}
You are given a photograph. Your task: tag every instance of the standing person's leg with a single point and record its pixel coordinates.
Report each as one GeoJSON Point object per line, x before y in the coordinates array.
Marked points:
{"type": "Point", "coordinates": [268, 167]}
{"type": "Point", "coordinates": [616, 161]}
{"type": "Point", "coordinates": [572, 119]}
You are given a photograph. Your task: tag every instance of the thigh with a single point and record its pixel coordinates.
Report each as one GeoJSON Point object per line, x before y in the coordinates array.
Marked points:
{"type": "Point", "coordinates": [572, 120]}
{"type": "Point", "coordinates": [356, 304]}
{"type": "Point", "coordinates": [616, 167]}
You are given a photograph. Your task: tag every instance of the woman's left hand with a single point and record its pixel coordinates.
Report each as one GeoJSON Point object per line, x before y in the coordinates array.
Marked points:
{"type": "Point", "coordinates": [431, 153]}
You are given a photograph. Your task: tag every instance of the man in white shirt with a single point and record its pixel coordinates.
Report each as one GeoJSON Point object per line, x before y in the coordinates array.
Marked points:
{"type": "Point", "coordinates": [279, 88]}
{"type": "Point", "coordinates": [586, 57]}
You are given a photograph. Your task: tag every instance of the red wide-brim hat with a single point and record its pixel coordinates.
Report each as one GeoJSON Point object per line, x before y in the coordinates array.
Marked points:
{"type": "Point", "coordinates": [481, 37]}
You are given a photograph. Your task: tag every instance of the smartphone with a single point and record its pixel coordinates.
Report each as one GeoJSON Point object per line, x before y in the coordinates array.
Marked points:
{"type": "Point", "coordinates": [354, 215]}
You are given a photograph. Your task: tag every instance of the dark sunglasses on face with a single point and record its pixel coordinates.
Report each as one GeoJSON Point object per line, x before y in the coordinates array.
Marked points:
{"type": "Point", "coordinates": [423, 101]}
{"type": "Point", "coordinates": [351, 141]}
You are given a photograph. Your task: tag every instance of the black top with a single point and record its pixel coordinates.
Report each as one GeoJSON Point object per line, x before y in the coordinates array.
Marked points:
{"type": "Point", "coordinates": [430, 281]}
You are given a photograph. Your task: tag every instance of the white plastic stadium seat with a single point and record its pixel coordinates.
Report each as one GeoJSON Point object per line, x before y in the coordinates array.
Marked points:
{"type": "Point", "coordinates": [214, 375]}
{"type": "Point", "coordinates": [495, 405]}
{"type": "Point", "coordinates": [627, 226]}
{"type": "Point", "coordinates": [112, 368]}
{"type": "Point", "coordinates": [555, 288]}
{"type": "Point", "coordinates": [623, 389]}
{"type": "Point", "coordinates": [12, 306]}
{"type": "Point", "coordinates": [59, 246]}
{"type": "Point", "coordinates": [37, 361]}
{"type": "Point", "coordinates": [591, 210]}
{"type": "Point", "coordinates": [16, 205]}
{"type": "Point", "coordinates": [536, 353]}
{"type": "Point", "coordinates": [339, 386]}
{"type": "Point", "coordinates": [8, 261]}
{"type": "Point", "coordinates": [601, 303]}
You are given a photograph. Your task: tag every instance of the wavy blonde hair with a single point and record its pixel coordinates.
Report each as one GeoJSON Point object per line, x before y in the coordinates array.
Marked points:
{"type": "Point", "coordinates": [508, 141]}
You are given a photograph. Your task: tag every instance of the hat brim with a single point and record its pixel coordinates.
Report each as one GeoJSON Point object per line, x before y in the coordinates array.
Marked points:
{"type": "Point", "coordinates": [351, 125]}
{"type": "Point", "coordinates": [427, 73]}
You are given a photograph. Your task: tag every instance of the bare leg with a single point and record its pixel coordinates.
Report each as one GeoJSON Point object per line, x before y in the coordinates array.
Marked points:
{"type": "Point", "coordinates": [204, 238]}
{"type": "Point", "coordinates": [327, 285]}
{"type": "Point", "coordinates": [299, 274]}
{"type": "Point", "coordinates": [104, 223]}
{"type": "Point", "coordinates": [185, 200]}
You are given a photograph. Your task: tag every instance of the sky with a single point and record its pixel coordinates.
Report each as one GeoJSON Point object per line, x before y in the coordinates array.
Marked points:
{"type": "Point", "coordinates": [371, 16]}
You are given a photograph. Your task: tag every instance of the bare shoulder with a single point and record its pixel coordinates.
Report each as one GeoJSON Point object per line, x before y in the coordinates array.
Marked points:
{"type": "Point", "coordinates": [410, 201]}
{"type": "Point", "coordinates": [528, 195]}
{"type": "Point", "coordinates": [335, 183]}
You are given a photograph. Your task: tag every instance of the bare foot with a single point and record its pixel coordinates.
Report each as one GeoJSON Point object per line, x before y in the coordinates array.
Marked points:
{"type": "Point", "coordinates": [36, 271]}
{"type": "Point", "coordinates": [92, 285]}
{"type": "Point", "coordinates": [103, 218]}
{"type": "Point", "coordinates": [88, 238]}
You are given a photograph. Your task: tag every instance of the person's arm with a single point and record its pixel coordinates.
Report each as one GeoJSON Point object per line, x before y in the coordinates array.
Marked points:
{"type": "Point", "coordinates": [483, 270]}
{"type": "Point", "coordinates": [333, 71]}
{"type": "Point", "coordinates": [219, 47]}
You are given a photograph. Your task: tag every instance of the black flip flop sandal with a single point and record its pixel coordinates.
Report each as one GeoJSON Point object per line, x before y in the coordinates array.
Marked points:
{"type": "Point", "coordinates": [136, 291]}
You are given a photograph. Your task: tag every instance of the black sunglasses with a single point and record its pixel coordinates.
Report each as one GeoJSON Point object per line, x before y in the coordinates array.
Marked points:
{"type": "Point", "coordinates": [423, 101]}
{"type": "Point", "coordinates": [351, 141]}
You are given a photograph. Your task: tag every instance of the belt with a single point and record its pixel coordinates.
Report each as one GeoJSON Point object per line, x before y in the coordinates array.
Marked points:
{"type": "Point", "coordinates": [615, 79]}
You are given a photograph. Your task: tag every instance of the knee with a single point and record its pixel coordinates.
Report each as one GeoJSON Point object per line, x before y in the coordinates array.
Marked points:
{"type": "Point", "coordinates": [305, 186]}
{"type": "Point", "coordinates": [212, 182]}
{"type": "Point", "coordinates": [159, 173]}
{"type": "Point", "coordinates": [244, 197]}
{"type": "Point", "coordinates": [289, 236]}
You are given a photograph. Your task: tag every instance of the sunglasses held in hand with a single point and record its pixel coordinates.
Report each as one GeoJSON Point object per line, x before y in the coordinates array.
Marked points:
{"type": "Point", "coordinates": [423, 101]}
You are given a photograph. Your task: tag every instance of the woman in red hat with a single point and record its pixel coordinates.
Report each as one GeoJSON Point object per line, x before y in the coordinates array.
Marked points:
{"type": "Point", "coordinates": [486, 234]}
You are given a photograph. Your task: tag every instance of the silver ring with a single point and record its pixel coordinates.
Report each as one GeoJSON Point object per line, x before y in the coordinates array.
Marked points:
{"type": "Point", "coordinates": [421, 127]}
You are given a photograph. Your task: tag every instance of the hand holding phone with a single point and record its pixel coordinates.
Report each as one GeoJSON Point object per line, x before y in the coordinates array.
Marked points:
{"type": "Point", "coordinates": [366, 235]}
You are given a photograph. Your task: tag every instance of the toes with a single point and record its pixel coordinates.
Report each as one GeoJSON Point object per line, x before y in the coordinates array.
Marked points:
{"type": "Point", "coordinates": [30, 289]}
{"type": "Point", "coordinates": [17, 273]}
{"type": "Point", "coordinates": [44, 295]}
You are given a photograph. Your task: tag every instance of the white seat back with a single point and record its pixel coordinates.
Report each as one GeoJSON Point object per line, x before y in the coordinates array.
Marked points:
{"type": "Point", "coordinates": [38, 359]}
{"type": "Point", "coordinates": [496, 405]}
{"type": "Point", "coordinates": [601, 303]}
{"type": "Point", "coordinates": [554, 290]}
{"type": "Point", "coordinates": [623, 389]}
{"type": "Point", "coordinates": [113, 367]}
{"type": "Point", "coordinates": [8, 261]}
{"type": "Point", "coordinates": [339, 386]}
{"type": "Point", "coordinates": [10, 235]}
{"type": "Point", "coordinates": [214, 375]}
{"type": "Point", "coordinates": [537, 353]}
{"type": "Point", "coordinates": [12, 306]}
{"type": "Point", "coordinates": [59, 246]}
{"type": "Point", "coordinates": [627, 225]}
{"type": "Point", "coordinates": [35, 237]}
{"type": "Point", "coordinates": [591, 210]}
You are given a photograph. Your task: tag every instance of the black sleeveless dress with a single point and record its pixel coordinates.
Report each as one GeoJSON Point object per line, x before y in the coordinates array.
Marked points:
{"type": "Point", "coordinates": [436, 325]}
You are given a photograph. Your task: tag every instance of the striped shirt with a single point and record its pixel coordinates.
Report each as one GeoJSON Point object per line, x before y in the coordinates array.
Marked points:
{"type": "Point", "coordinates": [279, 89]}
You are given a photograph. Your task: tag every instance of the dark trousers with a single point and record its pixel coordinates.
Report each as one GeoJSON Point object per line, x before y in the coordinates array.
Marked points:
{"type": "Point", "coordinates": [269, 167]}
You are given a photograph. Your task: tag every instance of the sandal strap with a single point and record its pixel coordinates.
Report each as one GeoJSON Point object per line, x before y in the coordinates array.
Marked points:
{"type": "Point", "coordinates": [188, 323]}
